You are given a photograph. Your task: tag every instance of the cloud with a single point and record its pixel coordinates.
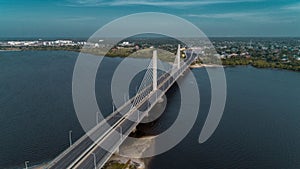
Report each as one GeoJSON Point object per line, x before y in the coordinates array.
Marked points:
{"type": "Point", "coordinates": [172, 3]}
{"type": "Point", "coordinates": [292, 7]}
{"type": "Point", "coordinates": [83, 3]}
{"type": "Point", "coordinates": [83, 18]}
{"type": "Point", "coordinates": [167, 3]}
{"type": "Point", "coordinates": [224, 15]}
{"type": "Point", "coordinates": [254, 17]}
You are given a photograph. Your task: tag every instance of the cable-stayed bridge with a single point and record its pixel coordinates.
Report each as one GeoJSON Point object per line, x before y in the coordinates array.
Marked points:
{"type": "Point", "coordinates": [94, 149]}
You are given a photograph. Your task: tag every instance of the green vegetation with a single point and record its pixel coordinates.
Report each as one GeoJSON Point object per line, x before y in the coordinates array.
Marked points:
{"type": "Point", "coordinates": [131, 52]}
{"type": "Point", "coordinates": [257, 60]}
{"type": "Point", "coordinates": [114, 52]}
{"type": "Point", "coordinates": [118, 165]}
{"type": "Point", "coordinates": [263, 63]}
{"type": "Point", "coordinates": [67, 48]}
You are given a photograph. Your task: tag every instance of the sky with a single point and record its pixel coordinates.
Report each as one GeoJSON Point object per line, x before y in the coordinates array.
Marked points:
{"type": "Point", "coordinates": [216, 18]}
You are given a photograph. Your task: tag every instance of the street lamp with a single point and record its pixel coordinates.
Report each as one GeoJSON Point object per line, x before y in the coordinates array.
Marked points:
{"type": "Point", "coordinates": [97, 117]}
{"type": "Point", "coordinates": [136, 89]}
{"type": "Point", "coordinates": [125, 97]}
{"type": "Point", "coordinates": [26, 164]}
{"type": "Point", "coordinates": [70, 137]}
{"type": "Point", "coordinates": [95, 162]}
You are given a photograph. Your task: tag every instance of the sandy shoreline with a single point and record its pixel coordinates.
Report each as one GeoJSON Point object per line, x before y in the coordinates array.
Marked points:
{"type": "Point", "coordinates": [138, 163]}
{"type": "Point", "coordinates": [10, 50]}
{"type": "Point", "coordinates": [134, 148]}
{"type": "Point", "coordinates": [204, 65]}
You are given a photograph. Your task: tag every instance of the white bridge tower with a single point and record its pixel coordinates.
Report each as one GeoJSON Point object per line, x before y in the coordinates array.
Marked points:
{"type": "Point", "coordinates": [154, 67]}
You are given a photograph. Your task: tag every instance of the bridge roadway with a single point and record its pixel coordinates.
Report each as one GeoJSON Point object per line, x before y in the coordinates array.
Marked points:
{"type": "Point", "coordinates": [85, 150]}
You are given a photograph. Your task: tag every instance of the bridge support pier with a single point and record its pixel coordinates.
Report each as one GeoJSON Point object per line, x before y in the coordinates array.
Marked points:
{"type": "Point", "coordinates": [117, 150]}
{"type": "Point", "coordinates": [160, 100]}
{"type": "Point", "coordinates": [147, 114]}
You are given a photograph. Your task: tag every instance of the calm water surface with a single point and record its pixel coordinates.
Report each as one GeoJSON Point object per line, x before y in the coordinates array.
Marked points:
{"type": "Point", "coordinates": [260, 127]}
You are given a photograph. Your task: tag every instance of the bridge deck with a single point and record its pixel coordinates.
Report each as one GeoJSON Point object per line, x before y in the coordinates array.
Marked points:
{"type": "Point", "coordinates": [81, 153]}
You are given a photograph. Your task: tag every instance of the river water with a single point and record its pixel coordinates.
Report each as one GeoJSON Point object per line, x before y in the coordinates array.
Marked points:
{"type": "Point", "coordinates": [259, 129]}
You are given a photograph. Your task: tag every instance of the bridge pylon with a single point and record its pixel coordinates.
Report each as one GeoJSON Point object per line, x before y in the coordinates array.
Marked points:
{"type": "Point", "coordinates": [154, 67]}
{"type": "Point", "coordinates": [178, 57]}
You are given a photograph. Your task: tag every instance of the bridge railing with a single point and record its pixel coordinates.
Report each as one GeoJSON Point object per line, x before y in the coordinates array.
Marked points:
{"type": "Point", "coordinates": [165, 77]}
{"type": "Point", "coordinates": [135, 115]}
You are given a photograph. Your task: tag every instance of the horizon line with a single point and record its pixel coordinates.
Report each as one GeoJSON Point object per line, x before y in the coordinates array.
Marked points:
{"type": "Point", "coordinates": [83, 37]}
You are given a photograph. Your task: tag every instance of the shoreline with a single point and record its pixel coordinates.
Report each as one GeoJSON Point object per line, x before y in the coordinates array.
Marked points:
{"type": "Point", "coordinates": [206, 65]}
{"type": "Point", "coordinates": [13, 50]}
{"type": "Point", "coordinates": [136, 149]}
{"type": "Point", "coordinates": [270, 64]}
{"type": "Point", "coordinates": [130, 162]}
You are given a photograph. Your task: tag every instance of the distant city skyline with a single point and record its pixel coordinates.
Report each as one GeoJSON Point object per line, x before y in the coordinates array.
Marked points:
{"type": "Point", "coordinates": [216, 18]}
